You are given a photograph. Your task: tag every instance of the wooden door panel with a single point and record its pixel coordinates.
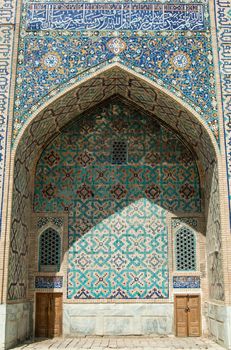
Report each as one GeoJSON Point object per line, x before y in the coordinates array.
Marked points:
{"type": "Point", "coordinates": [194, 301]}
{"type": "Point", "coordinates": [194, 316]}
{"type": "Point", "coordinates": [187, 315]}
{"type": "Point", "coordinates": [181, 330]}
{"type": "Point", "coordinates": [181, 301]}
{"type": "Point", "coordinates": [181, 316]}
{"type": "Point", "coordinates": [55, 321]}
{"type": "Point", "coordinates": [41, 322]}
{"type": "Point", "coordinates": [48, 315]}
{"type": "Point", "coordinates": [51, 318]}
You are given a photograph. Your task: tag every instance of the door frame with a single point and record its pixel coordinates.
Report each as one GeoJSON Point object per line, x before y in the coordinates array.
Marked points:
{"type": "Point", "coordinates": [200, 313]}
{"type": "Point", "coordinates": [48, 291]}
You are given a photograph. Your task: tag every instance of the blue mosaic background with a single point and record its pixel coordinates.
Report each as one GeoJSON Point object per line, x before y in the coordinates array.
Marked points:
{"type": "Point", "coordinates": [118, 239]}
{"type": "Point", "coordinates": [186, 281]}
{"type": "Point", "coordinates": [48, 282]}
{"type": "Point", "coordinates": [115, 16]}
{"type": "Point", "coordinates": [50, 58]}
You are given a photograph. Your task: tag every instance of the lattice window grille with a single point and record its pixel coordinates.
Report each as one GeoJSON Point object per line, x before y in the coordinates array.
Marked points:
{"type": "Point", "coordinates": [49, 251]}
{"type": "Point", "coordinates": [119, 152]}
{"type": "Point", "coordinates": [185, 250]}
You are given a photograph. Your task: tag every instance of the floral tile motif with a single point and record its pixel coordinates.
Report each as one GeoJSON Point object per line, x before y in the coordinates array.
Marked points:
{"type": "Point", "coordinates": [117, 227]}
{"type": "Point", "coordinates": [169, 57]}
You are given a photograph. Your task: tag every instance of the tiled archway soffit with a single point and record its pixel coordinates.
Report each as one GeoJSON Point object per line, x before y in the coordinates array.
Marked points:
{"type": "Point", "coordinates": [64, 107]}
{"type": "Point", "coordinates": [117, 80]}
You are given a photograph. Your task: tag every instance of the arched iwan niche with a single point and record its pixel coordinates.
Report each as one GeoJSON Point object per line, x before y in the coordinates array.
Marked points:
{"type": "Point", "coordinates": [47, 124]}
{"type": "Point", "coordinates": [117, 172]}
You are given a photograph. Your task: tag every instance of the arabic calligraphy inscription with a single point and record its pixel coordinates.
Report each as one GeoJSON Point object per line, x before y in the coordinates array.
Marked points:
{"type": "Point", "coordinates": [115, 16]}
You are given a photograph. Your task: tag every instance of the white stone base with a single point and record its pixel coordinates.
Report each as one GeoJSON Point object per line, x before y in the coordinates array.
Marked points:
{"type": "Point", "coordinates": [117, 319]}
{"type": "Point", "coordinates": [15, 324]}
{"type": "Point", "coordinates": [110, 319]}
{"type": "Point", "coordinates": [219, 323]}
{"type": "Point", "coordinates": [2, 325]}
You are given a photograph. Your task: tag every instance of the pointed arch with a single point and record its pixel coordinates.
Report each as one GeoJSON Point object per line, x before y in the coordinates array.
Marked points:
{"type": "Point", "coordinates": [113, 79]}
{"type": "Point", "coordinates": [47, 121]}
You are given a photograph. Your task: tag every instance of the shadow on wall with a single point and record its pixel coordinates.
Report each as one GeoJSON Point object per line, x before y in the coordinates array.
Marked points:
{"type": "Point", "coordinates": [117, 171]}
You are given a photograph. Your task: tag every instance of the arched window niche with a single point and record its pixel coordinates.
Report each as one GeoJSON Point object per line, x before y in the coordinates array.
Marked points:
{"type": "Point", "coordinates": [185, 249]}
{"type": "Point", "coordinates": [49, 251]}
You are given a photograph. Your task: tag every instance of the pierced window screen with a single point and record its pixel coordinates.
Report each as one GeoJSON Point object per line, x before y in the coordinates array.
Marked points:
{"type": "Point", "coordinates": [185, 250]}
{"type": "Point", "coordinates": [49, 251]}
{"type": "Point", "coordinates": [119, 152]}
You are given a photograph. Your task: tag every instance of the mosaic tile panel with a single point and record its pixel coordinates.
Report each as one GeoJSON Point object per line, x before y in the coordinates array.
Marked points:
{"type": "Point", "coordinates": [85, 96]}
{"type": "Point", "coordinates": [46, 123]}
{"type": "Point", "coordinates": [117, 212]}
{"type": "Point", "coordinates": [48, 282]}
{"type": "Point", "coordinates": [72, 2]}
{"type": "Point", "coordinates": [7, 13]}
{"type": "Point", "coordinates": [186, 282]}
{"type": "Point", "coordinates": [7, 21]}
{"type": "Point", "coordinates": [179, 222]}
{"type": "Point", "coordinates": [44, 220]}
{"type": "Point", "coordinates": [223, 32]}
{"type": "Point", "coordinates": [114, 16]}
{"type": "Point", "coordinates": [170, 57]}
{"type": "Point", "coordinates": [19, 238]}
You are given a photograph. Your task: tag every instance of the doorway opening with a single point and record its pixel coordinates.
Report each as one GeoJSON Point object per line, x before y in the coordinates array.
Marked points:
{"type": "Point", "coordinates": [48, 323]}
{"type": "Point", "coordinates": [187, 315]}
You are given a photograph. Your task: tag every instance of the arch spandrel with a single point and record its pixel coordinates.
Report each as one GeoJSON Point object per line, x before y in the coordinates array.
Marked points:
{"type": "Point", "coordinates": [158, 57]}
{"type": "Point", "coordinates": [117, 79]}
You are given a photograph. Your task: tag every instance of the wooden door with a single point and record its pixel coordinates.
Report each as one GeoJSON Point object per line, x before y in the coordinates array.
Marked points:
{"type": "Point", "coordinates": [187, 315]}
{"type": "Point", "coordinates": [55, 315]}
{"type": "Point", "coordinates": [48, 321]}
{"type": "Point", "coordinates": [194, 316]}
{"type": "Point", "coordinates": [41, 321]}
{"type": "Point", "coordinates": [181, 316]}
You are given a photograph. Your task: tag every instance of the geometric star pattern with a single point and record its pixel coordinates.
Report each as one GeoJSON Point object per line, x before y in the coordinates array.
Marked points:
{"type": "Point", "coordinates": [117, 231]}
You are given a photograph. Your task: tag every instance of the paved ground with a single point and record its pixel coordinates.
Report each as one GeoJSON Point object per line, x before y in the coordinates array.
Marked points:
{"type": "Point", "coordinates": [122, 343]}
